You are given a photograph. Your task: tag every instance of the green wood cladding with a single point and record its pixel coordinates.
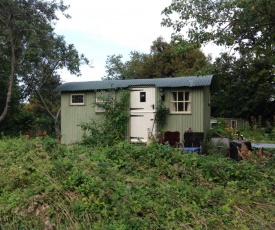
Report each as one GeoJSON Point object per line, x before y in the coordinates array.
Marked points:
{"type": "Point", "coordinates": [198, 120]}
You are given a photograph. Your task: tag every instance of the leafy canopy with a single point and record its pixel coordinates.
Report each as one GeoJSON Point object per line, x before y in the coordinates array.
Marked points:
{"type": "Point", "coordinates": [240, 23]}
{"type": "Point", "coordinates": [177, 58]}
{"type": "Point", "coordinates": [32, 55]}
{"type": "Point", "coordinates": [245, 74]}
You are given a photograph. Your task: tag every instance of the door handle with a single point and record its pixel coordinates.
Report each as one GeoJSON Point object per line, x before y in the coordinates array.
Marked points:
{"type": "Point", "coordinates": [153, 106]}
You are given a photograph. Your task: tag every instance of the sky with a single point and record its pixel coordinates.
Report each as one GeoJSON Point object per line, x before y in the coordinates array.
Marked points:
{"type": "Point", "coordinates": [99, 28]}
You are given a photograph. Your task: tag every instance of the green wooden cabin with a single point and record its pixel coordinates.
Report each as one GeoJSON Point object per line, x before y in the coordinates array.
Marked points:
{"type": "Point", "coordinates": [188, 100]}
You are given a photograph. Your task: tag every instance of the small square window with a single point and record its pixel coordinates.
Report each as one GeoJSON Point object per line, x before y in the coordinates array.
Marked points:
{"type": "Point", "coordinates": [77, 99]}
{"type": "Point", "coordinates": [180, 102]}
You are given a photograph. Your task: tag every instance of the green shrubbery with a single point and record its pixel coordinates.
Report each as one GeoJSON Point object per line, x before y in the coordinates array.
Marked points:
{"type": "Point", "coordinates": [255, 131]}
{"type": "Point", "coordinates": [45, 185]}
{"type": "Point", "coordinates": [258, 130]}
{"type": "Point", "coordinates": [112, 127]}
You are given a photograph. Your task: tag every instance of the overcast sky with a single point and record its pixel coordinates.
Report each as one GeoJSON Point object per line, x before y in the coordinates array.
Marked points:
{"type": "Point", "coordinates": [99, 28]}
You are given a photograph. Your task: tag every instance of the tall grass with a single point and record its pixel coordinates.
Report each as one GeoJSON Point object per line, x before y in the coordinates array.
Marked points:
{"type": "Point", "coordinates": [45, 185]}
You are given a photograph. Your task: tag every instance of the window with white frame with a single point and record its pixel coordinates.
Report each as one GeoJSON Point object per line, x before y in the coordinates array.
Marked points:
{"type": "Point", "coordinates": [103, 99]}
{"type": "Point", "coordinates": [77, 99]}
{"type": "Point", "coordinates": [180, 102]}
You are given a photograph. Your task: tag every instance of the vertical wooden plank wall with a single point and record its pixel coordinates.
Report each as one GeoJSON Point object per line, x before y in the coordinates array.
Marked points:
{"type": "Point", "coordinates": [73, 115]}
{"type": "Point", "coordinates": [199, 118]}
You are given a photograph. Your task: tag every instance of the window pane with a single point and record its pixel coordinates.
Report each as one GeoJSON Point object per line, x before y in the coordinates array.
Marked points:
{"type": "Point", "coordinates": [174, 106]}
{"type": "Point", "coordinates": [99, 97]}
{"type": "Point", "coordinates": [99, 108]}
{"type": "Point", "coordinates": [180, 96]}
{"type": "Point", "coordinates": [77, 99]}
{"type": "Point", "coordinates": [105, 98]}
{"type": "Point", "coordinates": [187, 106]}
{"type": "Point", "coordinates": [174, 96]}
{"type": "Point", "coordinates": [180, 106]}
{"type": "Point", "coordinates": [111, 96]}
{"type": "Point", "coordinates": [187, 96]}
{"type": "Point", "coordinates": [180, 101]}
{"type": "Point", "coordinates": [142, 96]}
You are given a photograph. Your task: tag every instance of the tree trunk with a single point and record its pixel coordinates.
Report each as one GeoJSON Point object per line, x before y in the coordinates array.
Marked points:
{"type": "Point", "coordinates": [56, 125]}
{"type": "Point", "coordinates": [11, 79]}
{"type": "Point", "coordinates": [54, 117]}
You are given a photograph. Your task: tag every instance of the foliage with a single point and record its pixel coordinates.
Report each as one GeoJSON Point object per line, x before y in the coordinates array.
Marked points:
{"type": "Point", "coordinates": [221, 129]}
{"type": "Point", "coordinates": [32, 55]}
{"type": "Point", "coordinates": [161, 115]}
{"type": "Point", "coordinates": [27, 121]}
{"type": "Point", "coordinates": [245, 84]}
{"type": "Point", "coordinates": [177, 58]}
{"type": "Point", "coordinates": [258, 130]}
{"type": "Point", "coordinates": [112, 125]}
{"type": "Point", "coordinates": [245, 71]}
{"type": "Point", "coordinates": [115, 67]}
{"type": "Point", "coordinates": [245, 24]}
{"type": "Point", "coordinates": [255, 130]}
{"type": "Point", "coordinates": [45, 185]}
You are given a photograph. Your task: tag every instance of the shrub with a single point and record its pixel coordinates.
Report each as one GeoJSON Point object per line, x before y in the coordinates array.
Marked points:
{"type": "Point", "coordinates": [112, 127]}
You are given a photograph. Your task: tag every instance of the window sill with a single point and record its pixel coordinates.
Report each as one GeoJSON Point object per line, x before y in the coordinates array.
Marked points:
{"type": "Point", "coordinates": [77, 104]}
{"type": "Point", "coordinates": [181, 113]}
{"type": "Point", "coordinates": [100, 111]}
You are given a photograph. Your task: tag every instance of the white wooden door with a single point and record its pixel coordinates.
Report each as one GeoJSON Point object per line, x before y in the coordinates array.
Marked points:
{"type": "Point", "coordinates": [142, 113]}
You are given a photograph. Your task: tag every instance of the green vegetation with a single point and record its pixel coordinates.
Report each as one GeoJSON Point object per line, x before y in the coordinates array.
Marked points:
{"type": "Point", "coordinates": [245, 68]}
{"type": "Point", "coordinates": [32, 55]}
{"type": "Point", "coordinates": [173, 59]}
{"type": "Point", "coordinates": [112, 126]}
{"type": "Point", "coordinates": [45, 185]}
{"type": "Point", "coordinates": [111, 184]}
{"type": "Point", "coordinates": [259, 131]}
{"type": "Point", "coordinates": [256, 131]}
{"type": "Point", "coordinates": [161, 115]}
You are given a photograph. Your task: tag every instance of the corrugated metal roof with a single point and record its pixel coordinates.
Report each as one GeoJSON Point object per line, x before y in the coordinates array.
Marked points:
{"type": "Point", "coordinates": [191, 81]}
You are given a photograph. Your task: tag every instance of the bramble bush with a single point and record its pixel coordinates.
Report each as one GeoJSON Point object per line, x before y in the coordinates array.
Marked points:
{"type": "Point", "coordinates": [45, 185]}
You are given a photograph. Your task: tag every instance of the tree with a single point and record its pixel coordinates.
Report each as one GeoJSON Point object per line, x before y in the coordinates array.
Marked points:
{"type": "Point", "coordinates": [114, 67]}
{"type": "Point", "coordinates": [243, 23]}
{"type": "Point", "coordinates": [246, 87]}
{"type": "Point", "coordinates": [32, 50]}
{"type": "Point", "coordinates": [39, 70]}
{"type": "Point", "coordinates": [245, 74]}
{"type": "Point", "coordinates": [177, 58]}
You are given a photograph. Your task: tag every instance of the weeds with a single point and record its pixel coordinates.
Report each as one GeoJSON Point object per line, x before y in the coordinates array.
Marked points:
{"type": "Point", "coordinates": [50, 186]}
{"type": "Point", "coordinates": [258, 130]}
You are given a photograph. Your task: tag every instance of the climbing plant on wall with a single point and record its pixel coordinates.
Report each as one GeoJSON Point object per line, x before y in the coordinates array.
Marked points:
{"type": "Point", "coordinates": [161, 115]}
